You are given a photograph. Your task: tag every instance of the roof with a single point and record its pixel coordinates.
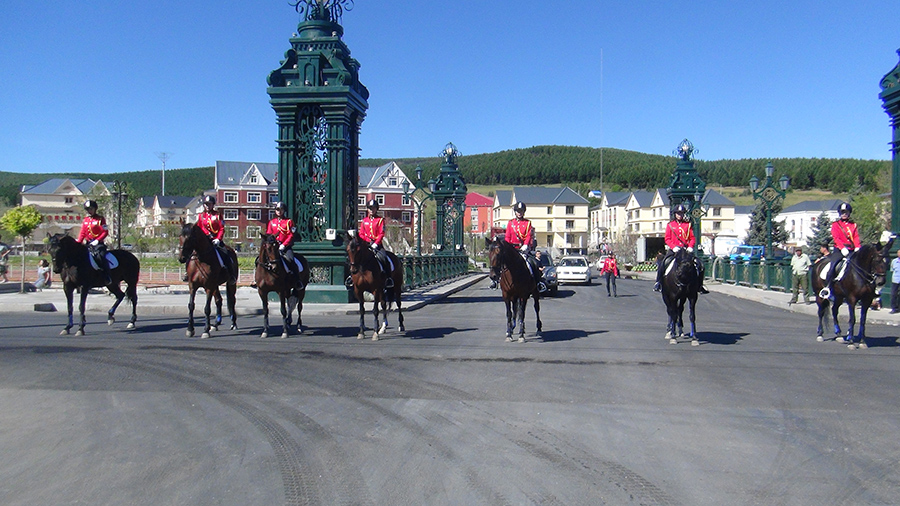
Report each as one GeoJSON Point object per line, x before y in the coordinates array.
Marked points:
{"type": "Point", "coordinates": [743, 209]}
{"type": "Point", "coordinates": [504, 197]}
{"type": "Point", "coordinates": [234, 173]}
{"type": "Point", "coordinates": [817, 206]}
{"type": "Point", "coordinates": [479, 200]}
{"type": "Point", "coordinates": [645, 198]}
{"type": "Point", "coordinates": [538, 195]}
{"type": "Point", "coordinates": [51, 186]}
{"type": "Point", "coordinates": [714, 198]}
{"type": "Point", "coordinates": [617, 198]}
{"type": "Point", "coordinates": [173, 201]}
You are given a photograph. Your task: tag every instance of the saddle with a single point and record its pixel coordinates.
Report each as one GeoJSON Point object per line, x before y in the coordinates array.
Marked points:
{"type": "Point", "coordinates": [839, 269]}
{"type": "Point", "coordinates": [111, 260]}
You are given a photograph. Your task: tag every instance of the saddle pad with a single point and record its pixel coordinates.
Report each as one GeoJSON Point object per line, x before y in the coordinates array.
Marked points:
{"type": "Point", "coordinates": [841, 269]}
{"type": "Point", "coordinates": [296, 261]}
{"type": "Point", "coordinates": [669, 266]}
{"type": "Point", "coordinates": [527, 263]}
{"type": "Point", "coordinates": [110, 259]}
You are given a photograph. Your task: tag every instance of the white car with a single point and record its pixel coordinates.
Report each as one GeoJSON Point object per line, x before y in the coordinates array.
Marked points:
{"type": "Point", "coordinates": [573, 269]}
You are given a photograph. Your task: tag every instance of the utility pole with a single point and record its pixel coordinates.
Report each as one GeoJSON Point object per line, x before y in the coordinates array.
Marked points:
{"type": "Point", "coordinates": [163, 156]}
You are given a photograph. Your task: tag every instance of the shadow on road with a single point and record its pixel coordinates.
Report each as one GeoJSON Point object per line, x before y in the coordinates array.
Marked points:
{"type": "Point", "coordinates": [721, 337]}
{"type": "Point", "coordinates": [551, 336]}
{"type": "Point", "coordinates": [435, 332]}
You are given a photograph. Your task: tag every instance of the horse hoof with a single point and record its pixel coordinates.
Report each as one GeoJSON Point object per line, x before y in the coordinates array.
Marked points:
{"type": "Point", "coordinates": [64, 332]}
{"type": "Point", "coordinates": [863, 346]}
{"type": "Point", "coordinates": [284, 335]}
{"type": "Point", "coordinates": [130, 326]}
{"type": "Point", "coordinates": [383, 328]}
{"type": "Point", "coordinates": [669, 336]}
{"type": "Point", "coordinates": [840, 340]}
{"type": "Point", "coordinates": [509, 339]}
{"type": "Point", "coordinates": [204, 335]}
{"type": "Point", "coordinates": [361, 336]}
{"type": "Point", "coordinates": [374, 336]}
{"type": "Point", "coordinates": [188, 334]}
{"type": "Point", "coordinates": [233, 326]}
{"type": "Point", "coordinates": [695, 342]}
{"type": "Point", "coordinates": [521, 339]}
{"type": "Point", "coordinates": [402, 328]}
{"type": "Point", "coordinates": [820, 339]}
{"type": "Point", "coordinates": [110, 321]}
{"type": "Point", "coordinates": [673, 341]}
{"type": "Point", "coordinates": [264, 335]}
{"type": "Point", "coordinates": [79, 333]}
{"type": "Point", "coordinates": [214, 328]}
{"type": "Point", "coordinates": [851, 346]}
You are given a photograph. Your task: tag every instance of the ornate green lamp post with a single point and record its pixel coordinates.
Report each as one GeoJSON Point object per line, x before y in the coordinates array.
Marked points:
{"type": "Point", "coordinates": [427, 193]}
{"type": "Point", "coordinates": [450, 198]}
{"type": "Point", "coordinates": [769, 195]}
{"type": "Point", "coordinates": [320, 105]}
{"type": "Point", "coordinates": [890, 97]}
{"type": "Point", "coordinates": [686, 187]}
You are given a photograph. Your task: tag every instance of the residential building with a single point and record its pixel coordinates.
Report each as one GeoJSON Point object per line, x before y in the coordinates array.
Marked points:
{"type": "Point", "coordinates": [479, 214]}
{"type": "Point", "coordinates": [61, 203]}
{"type": "Point", "coordinates": [157, 214]}
{"type": "Point", "coordinates": [384, 185]}
{"type": "Point", "coordinates": [559, 216]}
{"type": "Point", "coordinates": [245, 195]}
{"type": "Point", "coordinates": [607, 221]}
{"type": "Point", "coordinates": [799, 219]}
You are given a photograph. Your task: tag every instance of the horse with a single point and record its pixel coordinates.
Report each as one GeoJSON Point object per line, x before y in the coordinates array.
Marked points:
{"type": "Point", "coordinates": [271, 276]}
{"type": "Point", "coordinates": [865, 271]}
{"type": "Point", "coordinates": [516, 284]}
{"type": "Point", "coordinates": [205, 271]}
{"type": "Point", "coordinates": [366, 275]}
{"type": "Point", "coordinates": [680, 284]}
{"type": "Point", "coordinates": [71, 260]}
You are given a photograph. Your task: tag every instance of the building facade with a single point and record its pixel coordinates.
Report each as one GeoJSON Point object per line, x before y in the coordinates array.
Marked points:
{"type": "Point", "coordinates": [559, 216]}
{"type": "Point", "coordinates": [158, 214]}
{"type": "Point", "coordinates": [479, 216]}
{"type": "Point", "coordinates": [61, 204]}
{"type": "Point", "coordinates": [246, 193]}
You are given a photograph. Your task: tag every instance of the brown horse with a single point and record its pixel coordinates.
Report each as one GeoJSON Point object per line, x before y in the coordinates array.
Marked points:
{"type": "Point", "coordinates": [205, 271]}
{"type": "Point", "coordinates": [71, 262]}
{"type": "Point", "coordinates": [272, 276]}
{"type": "Point", "coordinates": [866, 270]}
{"type": "Point", "coordinates": [516, 283]}
{"type": "Point", "coordinates": [365, 272]}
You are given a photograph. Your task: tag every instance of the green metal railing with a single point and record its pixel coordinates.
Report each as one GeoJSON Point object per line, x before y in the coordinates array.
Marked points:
{"type": "Point", "coordinates": [426, 269]}
{"type": "Point", "coordinates": [755, 274]}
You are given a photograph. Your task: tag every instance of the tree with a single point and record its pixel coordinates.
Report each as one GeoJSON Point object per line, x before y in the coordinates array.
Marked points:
{"type": "Point", "coordinates": [869, 218]}
{"type": "Point", "coordinates": [21, 221]}
{"type": "Point", "coordinates": [756, 235]}
{"type": "Point", "coordinates": [821, 234]}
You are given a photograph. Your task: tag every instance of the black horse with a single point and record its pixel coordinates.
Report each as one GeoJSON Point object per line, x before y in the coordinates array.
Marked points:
{"type": "Point", "coordinates": [865, 272]}
{"type": "Point", "coordinates": [516, 283]}
{"type": "Point", "coordinates": [71, 260]}
{"type": "Point", "coordinates": [681, 283]}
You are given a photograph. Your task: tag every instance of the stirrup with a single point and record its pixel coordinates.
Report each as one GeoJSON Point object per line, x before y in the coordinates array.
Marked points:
{"type": "Point", "coordinates": [388, 283]}
{"type": "Point", "coordinates": [825, 293]}
{"type": "Point", "coordinates": [657, 287]}
{"type": "Point", "coordinates": [254, 285]}
{"type": "Point", "coordinates": [703, 289]}
{"type": "Point", "coordinates": [541, 287]}
{"type": "Point", "coordinates": [348, 282]}
{"type": "Point", "coordinates": [494, 285]}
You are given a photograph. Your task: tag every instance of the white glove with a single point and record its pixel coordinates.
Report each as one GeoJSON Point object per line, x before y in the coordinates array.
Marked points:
{"type": "Point", "coordinates": [376, 246]}
{"type": "Point", "coordinates": [845, 251]}
{"type": "Point", "coordinates": [523, 248]}
{"type": "Point", "coordinates": [281, 248]}
{"type": "Point", "coordinates": [95, 242]}
{"type": "Point", "coordinates": [690, 250]}
{"type": "Point", "coordinates": [216, 242]}
{"type": "Point", "coordinates": [676, 249]}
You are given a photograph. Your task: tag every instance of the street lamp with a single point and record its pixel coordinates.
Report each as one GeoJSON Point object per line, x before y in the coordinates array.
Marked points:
{"type": "Point", "coordinates": [427, 190]}
{"type": "Point", "coordinates": [769, 194]}
{"type": "Point", "coordinates": [119, 193]}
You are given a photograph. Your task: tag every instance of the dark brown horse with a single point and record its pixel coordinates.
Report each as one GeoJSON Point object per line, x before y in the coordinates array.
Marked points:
{"type": "Point", "coordinates": [680, 284]}
{"type": "Point", "coordinates": [516, 283]}
{"type": "Point", "coordinates": [272, 276]}
{"type": "Point", "coordinates": [865, 272]}
{"type": "Point", "coordinates": [365, 272]}
{"type": "Point", "coordinates": [71, 261]}
{"type": "Point", "coordinates": [205, 271]}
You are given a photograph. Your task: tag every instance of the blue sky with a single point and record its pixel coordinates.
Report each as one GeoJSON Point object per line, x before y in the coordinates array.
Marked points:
{"type": "Point", "coordinates": [104, 85]}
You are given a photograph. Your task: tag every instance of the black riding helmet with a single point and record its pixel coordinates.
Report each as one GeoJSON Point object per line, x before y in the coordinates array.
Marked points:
{"type": "Point", "coordinates": [519, 207]}
{"type": "Point", "coordinates": [90, 204]}
{"type": "Point", "coordinates": [372, 204]}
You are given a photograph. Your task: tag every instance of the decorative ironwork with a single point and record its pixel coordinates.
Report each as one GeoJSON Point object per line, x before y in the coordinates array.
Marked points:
{"type": "Point", "coordinates": [312, 171]}
{"type": "Point", "coordinates": [320, 275]}
{"type": "Point", "coordinates": [322, 10]}
{"type": "Point", "coordinates": [450, 153]}
{"type": "Point", "coordinates": [685, 150]}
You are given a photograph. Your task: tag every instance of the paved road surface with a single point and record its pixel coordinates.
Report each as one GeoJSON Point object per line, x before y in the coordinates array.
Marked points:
{"type": "Point", "coordinates": [602, 410]}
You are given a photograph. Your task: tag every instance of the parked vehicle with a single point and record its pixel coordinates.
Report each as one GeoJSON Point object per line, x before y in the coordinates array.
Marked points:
{"type": "Point", "coordinates": [573, 269]}
{"type": "Point", "coordinates": [550, 278]}
{"type": "Point", "coordinates": [745, 252]}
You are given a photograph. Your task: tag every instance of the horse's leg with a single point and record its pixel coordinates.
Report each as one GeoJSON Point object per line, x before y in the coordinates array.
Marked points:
{"type": "Point", "coordinates": [207, 310]}
{"type": "Point", "coordinates": [117, 291]}
{"type": "Point", "coordinates": [692, 315]}
{"type": "Point", "coordinates": [681, 317]}
{"type": "Point", "coordinates": [537, 313]}
{"type": "Point", "coordinates": [69, 295]}
{"type": "Point", "coordinates": [520, 317]}
{"type": "Point", "coordinates": [509, 320]}
{"type": "Point", "coordinates": [851, 323]}
{"type": "Point", "coordinates": [822, 314]}
{"type": "Point", "coordinates": [399, 309]}
{"type": "Point", "coordinates": [231, 295]}
{"type": "Point", "coordinates": [300, 312]}
{"type": "Point", "coordinates": [81, 305]}
{"type": "Point", "coordinates": [193, 291]}
{"type": "Point", "coordinates": [362, 315]}
{"type": "Point", "coordinates": [835, 307]}
{"type": "Point", "coordinates": [285, 314]}
{"type": "Point", "coordinates": [132, 296]}
{"type": "Point", "coordinates": [384, 315]}
{"type": "Point", "coordinates": [264, 297]}
{"type": "Point", "coordinates": [378, 300]}
{"type": "Point", "coordinates": [217, 296]}
{"type": "Point", "coordinates": [861, 336]}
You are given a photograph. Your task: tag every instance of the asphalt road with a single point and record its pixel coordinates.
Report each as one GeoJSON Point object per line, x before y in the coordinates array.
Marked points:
{"type": "Point", "coordinates": [601, 410]}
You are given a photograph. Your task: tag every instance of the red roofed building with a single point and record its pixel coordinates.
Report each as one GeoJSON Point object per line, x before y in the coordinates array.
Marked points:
{"type": "Point", "coordinates": [479, 214]}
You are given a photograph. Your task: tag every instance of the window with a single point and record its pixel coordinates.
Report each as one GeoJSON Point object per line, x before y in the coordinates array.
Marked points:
{"type": "Point", "coordinates": [379, 199]}
{"type": "Point", "coordinates": [273, 198]}
{"type": "Point", "coordinates": [474, 214]}
{"type": "Point", "coordinates": [570, 209]}
{"type": "Point", "coordinates": [254, 179]}
{"type": "Point", "coordinates": [717, 225]}
{"type": "Point", "coordinates": [271, 214]}
{"type": "Point", "coordinates": [405, 200]}
{"type": "Point", "coordinates": [233, 233]}
{"type": "Point", "coordinates": [392, 181]}
{"type": "Point", "coordinates": [717, 211]}
{"type": "Point", "coordinates": [361, 200]}
{"type": "Point", "coordinates": [70, 200]}
{"type": "Point", "coordinates": [253, 232]}
{"type": "Point", "coordinates": [637, 214]}
{"type": "Point", "coordinates": [254, 197]}
{"type": "Point", "coordinates": [230, 214]}
{"type": "Point", "coordinates": [549, 226]}
{"type": "Point", "coordinates": [254, 214]}
{"type": "Point", "coordinates": [406, 217]}
{"type": "Point", "coordinates": [570, 224]}
{"type": "Point", "coordinates": [230, 198]}
{"type": "Point", "coordinates": [549, 209]}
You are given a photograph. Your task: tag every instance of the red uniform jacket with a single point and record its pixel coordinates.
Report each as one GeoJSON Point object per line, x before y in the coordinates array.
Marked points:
{"type": "Point", "coordinates": [519, 232]}
{"type": "Point", "coordinates": [211, 225]}
{"type": "Point", "coordinates": [93, 228]}
{"type": "Point", "coordinates": [610, 265]}
{"type": "Point", "coordinates": [845, 235]}
{"type": "Point", "coordinates": [372, 229]}
{"type": "Point", "coordinates": [680, 234]}
{"type": "Point", "coordinates": [282, 229]}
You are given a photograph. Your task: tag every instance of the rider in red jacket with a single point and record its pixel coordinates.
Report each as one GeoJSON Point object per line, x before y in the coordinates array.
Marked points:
{"type": "Point", "coordinates": [846, 241]}
{"type": "Point", "coordinates": [371, 230]}
{"type": "Point", "coordinates": [679, 234]}
{"type": "Point", "coordinates": [283, 229]}
{"type": "Point", "coordinates": [211, 224]}
{"type": "Point", "coordinates": [520, 233]}
{"type": "Point", "coordinates": [93, 232]}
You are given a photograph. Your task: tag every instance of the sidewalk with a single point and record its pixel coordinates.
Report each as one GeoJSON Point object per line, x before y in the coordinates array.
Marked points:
{"type": "Point", "coordinates": [173, 300]}
{"type": "Point", "coordinates": [780, 300]}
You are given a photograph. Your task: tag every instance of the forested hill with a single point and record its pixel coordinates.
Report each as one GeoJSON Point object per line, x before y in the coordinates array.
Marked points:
{"type": "Point", "coordinates": [186, 182]}
{"type": "Point", "coordinates": [549, 165]}
{"type": "Point", "coordinates": [633, 170]}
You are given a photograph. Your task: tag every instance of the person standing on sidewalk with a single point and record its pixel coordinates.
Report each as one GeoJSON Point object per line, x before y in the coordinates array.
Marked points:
{"type": "Point", "coordinates": [895, 284]}
{"type": "Point", "coordinates": [800, 275]}
{"type": "Point", "coordinates": [611, 271]}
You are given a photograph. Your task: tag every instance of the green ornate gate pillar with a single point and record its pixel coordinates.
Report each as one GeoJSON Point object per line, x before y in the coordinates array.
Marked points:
{"type": "Point", "coordinates": [319, 105]}
{"type": "Point", "coordinates": [890, 96]}
{"type": "Point", "coordinates": [450, 202]}
{"type": "Point", "coordinates": [686, 187]}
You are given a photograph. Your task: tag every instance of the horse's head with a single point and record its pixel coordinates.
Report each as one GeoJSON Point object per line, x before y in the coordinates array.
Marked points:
{"type": "Point", "coordinates": [684, 269]}
{"type": "Point", "coordinates": [57, 245]}
{"type": "Point", "coordinates": [495, 250]}
{"type": "Point", "coordinates": [873, 259]}
{"type": "Point", "coordinates": [187, 241]}
{"type": "Point", "coordinates": [268, 252]}
{"type": "Point", "coordinates": [358, 252]}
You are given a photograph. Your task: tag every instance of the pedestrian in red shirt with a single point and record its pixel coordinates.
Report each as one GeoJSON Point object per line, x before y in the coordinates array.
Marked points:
{"type": "Point", "coordinates": [679, 234]}
{"type": "Point", "coordinates": [611, 271]}
{"type": "Point", "coordinates": [520, 233]}
{"type": "Point", "coordinates": [846, 241]}
{"type": "Point", "coordinates": [93, 232]}
{"type": "Point", "coordinates": [282, 228]}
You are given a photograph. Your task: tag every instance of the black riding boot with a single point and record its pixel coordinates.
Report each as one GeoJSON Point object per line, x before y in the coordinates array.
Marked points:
{"type": "Point", "coordinates": [293, 270]}
{"type": "Point", "coordinates": [657, 287]}
{"type": "Point", "coordinates": [701, 274]}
